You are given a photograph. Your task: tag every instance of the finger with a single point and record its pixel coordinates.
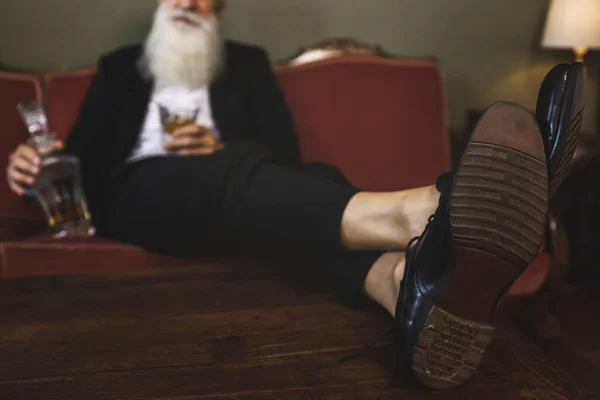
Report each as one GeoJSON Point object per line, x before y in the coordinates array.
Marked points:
{"type": "Point", "coordinates": [189, 142]}
{"type": "Point", "coordinates": [182, 143]}
{"type": "Point", "coordinates": [201, 151]}
{"type": "Point", "coordinates": [19, 177]}
{"type": "Point", "coordinates": [189, 130]}
{"type": "Point", "coordinates": [16, 188]}
{"type": "Point", "coordinates": [58, 145]}
{"type": "Point", "coordinates": [29, 153]}
{"type": "Point", "coordinates": [24, 165]}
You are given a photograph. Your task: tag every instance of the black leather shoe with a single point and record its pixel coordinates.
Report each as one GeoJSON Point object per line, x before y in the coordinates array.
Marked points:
{"type": "Point", "coordinates": [488, 227]}
{"type": "Point", "coordinates": [559, 113]}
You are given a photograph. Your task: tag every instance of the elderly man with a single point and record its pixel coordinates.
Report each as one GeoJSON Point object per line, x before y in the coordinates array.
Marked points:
{"type": "Point", "coordinates": [232, 175]}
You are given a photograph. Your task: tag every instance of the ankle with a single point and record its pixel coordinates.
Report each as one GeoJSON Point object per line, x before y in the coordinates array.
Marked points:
{"type": "Point", "coordinates": [398, 275]}
{"type": "Point", "coordinates": [383, 280]}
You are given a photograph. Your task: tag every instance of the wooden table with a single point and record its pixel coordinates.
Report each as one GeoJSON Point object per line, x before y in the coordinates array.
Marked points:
{"type": "Point", "coordinates": [236, 330]}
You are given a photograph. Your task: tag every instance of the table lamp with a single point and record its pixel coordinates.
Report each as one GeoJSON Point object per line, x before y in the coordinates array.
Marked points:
{"type": "Point", "coordinates": [573, 24]}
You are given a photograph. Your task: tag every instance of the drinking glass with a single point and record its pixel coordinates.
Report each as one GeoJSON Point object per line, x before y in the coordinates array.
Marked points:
{"type": "Point", "coordinates": [174, 118]}
{"type": "Point", "coordinates": [57, 188]}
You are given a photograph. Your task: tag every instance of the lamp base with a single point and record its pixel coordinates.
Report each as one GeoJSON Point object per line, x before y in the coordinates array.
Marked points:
{"type": "Point", "coordinates": [580, 53]}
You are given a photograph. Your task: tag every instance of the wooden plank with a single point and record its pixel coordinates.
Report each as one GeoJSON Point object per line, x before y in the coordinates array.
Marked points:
{"type": "Point", "coordinates": [286, 377]}
{"type": "Point", "coordinates": [578, 348]}
{"type": "Point", "coordinates": [224, 331]}
{"type": "Point", "coordinates": [167, 317]}
{"type": "Point", "coordinates": [87, 345]}
{"type": "Point", "coordinates": [207, 289]}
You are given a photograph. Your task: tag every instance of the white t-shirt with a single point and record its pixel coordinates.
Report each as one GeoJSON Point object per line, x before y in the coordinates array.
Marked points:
{"type": "Point", "coordinates": [152, 136]}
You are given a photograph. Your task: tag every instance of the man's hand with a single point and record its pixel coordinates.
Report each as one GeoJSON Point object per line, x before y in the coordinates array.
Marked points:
{"type": "Point", "coordinates": [23, 167]}
{"type": "Point", "coordinates": [193, 140]}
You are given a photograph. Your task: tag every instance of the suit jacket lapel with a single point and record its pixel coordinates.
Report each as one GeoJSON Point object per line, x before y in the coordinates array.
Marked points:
{"type": "Point", "coordinates": [227, 100]}
{"type": "Point", "coordinates": [134, 110]}
{"type": "Point", "coordinates": [218, 98]}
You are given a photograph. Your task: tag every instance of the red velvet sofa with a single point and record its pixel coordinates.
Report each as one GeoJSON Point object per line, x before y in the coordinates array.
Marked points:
{"type": "Point", "coordinates": [382, 121]}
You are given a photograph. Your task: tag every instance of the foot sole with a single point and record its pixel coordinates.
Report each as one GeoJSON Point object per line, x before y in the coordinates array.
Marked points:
{"type": "Point", "coordinates": [498, 214]}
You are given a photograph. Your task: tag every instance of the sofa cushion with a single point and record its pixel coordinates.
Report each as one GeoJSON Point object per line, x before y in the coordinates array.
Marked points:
{"type": "Point", "coordinates": [382, 122]}
{"type": "Point", "coordinates": [64, 93]}
{"type": "Point", "coordinates": [14, 227]}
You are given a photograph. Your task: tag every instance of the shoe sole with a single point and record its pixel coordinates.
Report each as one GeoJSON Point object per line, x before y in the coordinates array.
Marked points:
{"type": "Point", "coordinates": [573, 113]}
{"type": "Point", "coordinates": [498, 212]}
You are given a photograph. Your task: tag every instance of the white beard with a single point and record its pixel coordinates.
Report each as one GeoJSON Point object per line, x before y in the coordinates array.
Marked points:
{"type": "Point", "coordinates": [180, 54]}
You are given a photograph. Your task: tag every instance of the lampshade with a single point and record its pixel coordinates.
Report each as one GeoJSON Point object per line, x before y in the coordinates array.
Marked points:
{"type": "Point", "coordinates": [573, 24]}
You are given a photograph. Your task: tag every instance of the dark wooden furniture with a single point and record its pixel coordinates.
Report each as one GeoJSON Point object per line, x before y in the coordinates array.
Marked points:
{"type": "Point", "coordinates": [580, 211]}
{"type": "Point", "coordinates": [242, 330]}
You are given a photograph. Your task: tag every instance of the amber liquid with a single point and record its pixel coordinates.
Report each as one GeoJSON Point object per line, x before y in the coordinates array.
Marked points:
{"type": "Point", "coordinates": [58, 191]}
{"type": "Point", "coordinates": [69, 209]}
{"type": "Point", "coordinates": [177, 122]}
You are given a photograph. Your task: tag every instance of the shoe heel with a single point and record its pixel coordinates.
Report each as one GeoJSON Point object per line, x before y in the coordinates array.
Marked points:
{"type": "Point", "coordinates": [449, 349]}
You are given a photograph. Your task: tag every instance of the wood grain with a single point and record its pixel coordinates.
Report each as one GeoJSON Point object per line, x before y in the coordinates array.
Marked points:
{"type": "Point", "coordinates": [236, 330]}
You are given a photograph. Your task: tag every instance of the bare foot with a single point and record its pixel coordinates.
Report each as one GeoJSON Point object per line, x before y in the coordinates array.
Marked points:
{"type": "Point", "coordinates": [382, 284]}
{"type": "Point", "coordinates": [416, 206]}
{"type": "Point", "coordinates": [387, 221]}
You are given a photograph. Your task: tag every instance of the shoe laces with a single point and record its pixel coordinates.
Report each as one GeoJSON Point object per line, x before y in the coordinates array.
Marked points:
{"type": "Point", "coordinates": [415, 240]}
{"type": "Point", "coordinates": [409, 249]}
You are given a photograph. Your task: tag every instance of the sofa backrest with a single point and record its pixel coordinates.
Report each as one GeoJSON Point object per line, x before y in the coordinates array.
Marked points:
{"type": "Point", "coordinates": [14, 89]}
{"type": "Point", "coordinates": [64, 93]}
{"type": "Point", "coordinates": [381, 121]}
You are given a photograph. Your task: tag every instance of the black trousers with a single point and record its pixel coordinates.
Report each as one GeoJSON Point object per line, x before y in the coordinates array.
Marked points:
{"type": "Point", "coordinates": [210, 205]}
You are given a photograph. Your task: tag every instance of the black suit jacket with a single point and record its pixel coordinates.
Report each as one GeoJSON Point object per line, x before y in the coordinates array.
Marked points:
{"type": "Point", "coordinates": [246, 102]}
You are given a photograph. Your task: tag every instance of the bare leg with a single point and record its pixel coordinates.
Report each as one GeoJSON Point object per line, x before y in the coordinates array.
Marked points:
{"type": "Point", "coordinates": [387, 221]}
{"type": "Point", "coordinates": [383, 280]}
